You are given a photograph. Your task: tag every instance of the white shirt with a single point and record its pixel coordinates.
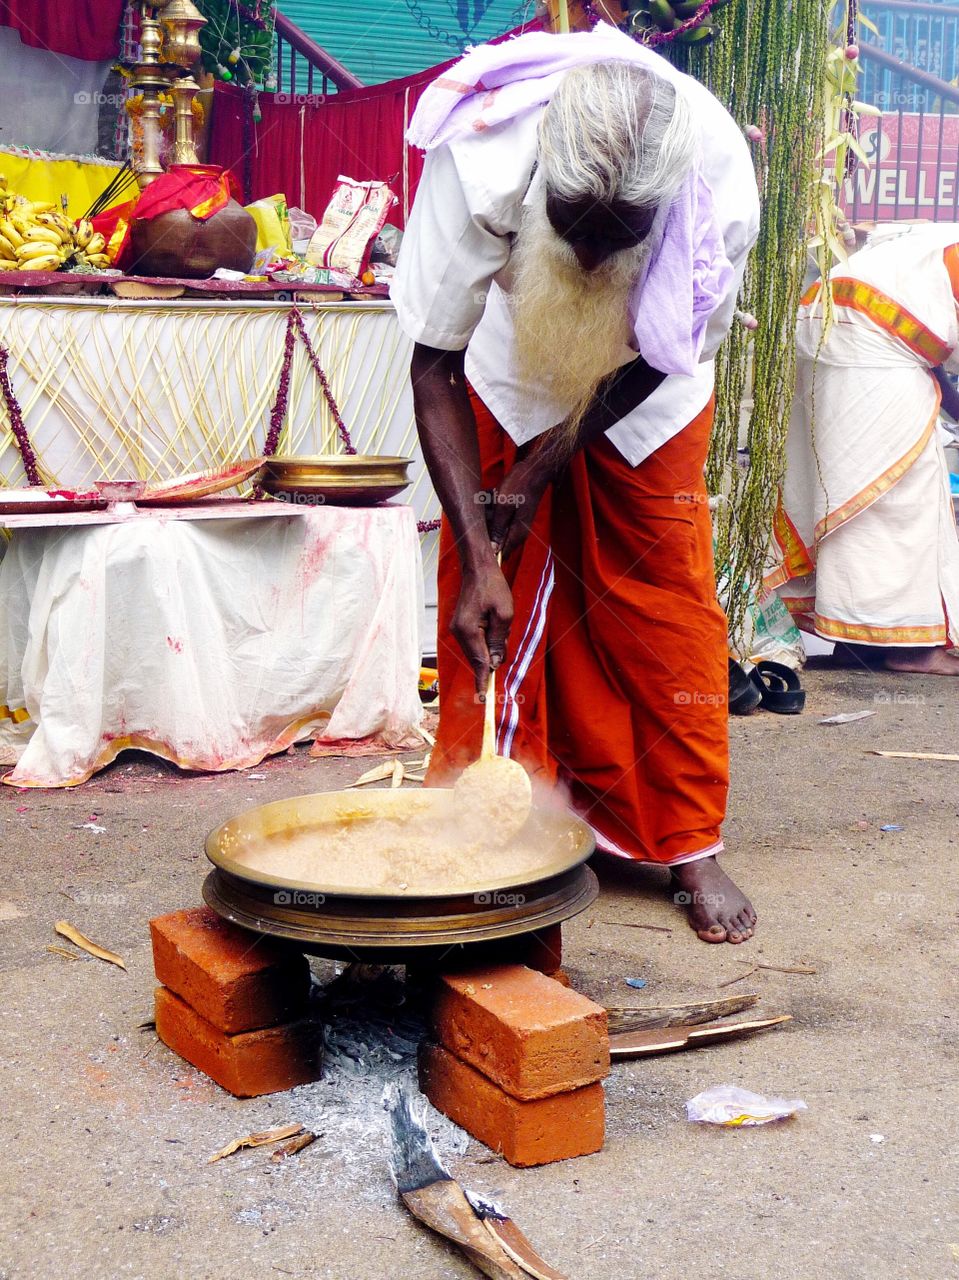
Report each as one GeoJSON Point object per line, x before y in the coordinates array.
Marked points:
{"type": "Point", "coordinates": [452, 278]}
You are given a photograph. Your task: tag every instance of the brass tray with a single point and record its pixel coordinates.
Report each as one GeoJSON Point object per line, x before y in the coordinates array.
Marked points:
{"type": "Point", "coordinates": [341, 479]}
{"type": "Point", "coordinates": [258, 835]}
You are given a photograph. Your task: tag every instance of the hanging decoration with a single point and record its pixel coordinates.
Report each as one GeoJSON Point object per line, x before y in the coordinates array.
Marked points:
{"type": "Point", "coordinates": [237, 41]}
{"type": "Point", "coordinates": [295, 327]}
{"type": "Point", "coordinates": [842, 152]}
{"type": "Point", "coordinates": [768, 67]}
{"type": "Point", "coordinates": [658, 22]}
{"type": "Point", "coordinates": [15, 415]}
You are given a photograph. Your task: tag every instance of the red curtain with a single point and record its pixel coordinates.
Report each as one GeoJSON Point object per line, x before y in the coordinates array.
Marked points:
{"type": "Point", "coordinates": [303, 144]}
{"type": "Point", "coordinates": [88, 29]}
{"type": "Point", "coordinates": [300, 148]}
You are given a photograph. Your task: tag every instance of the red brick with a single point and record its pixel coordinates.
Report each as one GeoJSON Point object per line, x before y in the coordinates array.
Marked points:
{"type": "Point", "coordinates": [531, 1035]}
{"type": "Point", "coordinates": [232, 978]}
{"type": "Point", "coordinates": [249, 1064]}
{"type": "Point", "coordinates": [526, 1133]}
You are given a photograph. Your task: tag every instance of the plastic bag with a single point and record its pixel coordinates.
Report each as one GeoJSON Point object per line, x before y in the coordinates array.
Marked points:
{"type": "Point", "coordinates": [272, 225]}
{"type": "Point", "coordinates": [735, 1108]}
{"type": "Point", "coordinates": [768, 634]}
{"type": "Point", "coordinates": [352, 221]}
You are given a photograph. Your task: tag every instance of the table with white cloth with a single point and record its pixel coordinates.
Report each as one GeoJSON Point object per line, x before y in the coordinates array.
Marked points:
{"type": "Point", "coordinates": [210, 642]}
{"type": "Point", "coordinates": [115, 388]}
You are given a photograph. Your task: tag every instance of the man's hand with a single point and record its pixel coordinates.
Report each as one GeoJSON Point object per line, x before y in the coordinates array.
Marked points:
{"type": "Point", "coordinates": [516, 502]}
{"type": "Point", "coordinates": [481, 622]}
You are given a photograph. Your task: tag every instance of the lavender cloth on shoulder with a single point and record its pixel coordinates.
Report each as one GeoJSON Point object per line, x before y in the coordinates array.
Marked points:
{"type": "Point", "coordinates": [688, 275]}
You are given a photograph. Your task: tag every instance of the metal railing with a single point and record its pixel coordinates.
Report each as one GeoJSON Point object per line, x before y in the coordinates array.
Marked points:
{"type": "Point", "coordinates": [921, 34]}
{"type": "Point", "coordinates": [304, 70]}
{"type": "Point", "coordinates": [913, 148]}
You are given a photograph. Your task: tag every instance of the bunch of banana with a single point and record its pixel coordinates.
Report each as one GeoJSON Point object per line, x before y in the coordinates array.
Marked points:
{"type": "Point", "coordinates": [29, 244]}
{"type": "Point", "coordinates": [37, 236]}
{"type": "Point", "coordinates": [661, 15]}
{"type": "Point", "coordinates": [90, 246]}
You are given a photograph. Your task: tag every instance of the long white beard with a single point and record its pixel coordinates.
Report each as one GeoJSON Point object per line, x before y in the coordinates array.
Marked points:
{"type": "Point", "coordinates": [570, 325]}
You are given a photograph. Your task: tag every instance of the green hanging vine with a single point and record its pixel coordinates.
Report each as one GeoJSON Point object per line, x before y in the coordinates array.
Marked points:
{"type": "Point", "coordinates": [767, 67]}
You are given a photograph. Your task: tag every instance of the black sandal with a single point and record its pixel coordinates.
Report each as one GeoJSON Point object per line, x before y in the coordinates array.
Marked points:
{"type": "Point", "coordinates": [779, 688]}
{"type": "Point", "coordinates": [744, 697]}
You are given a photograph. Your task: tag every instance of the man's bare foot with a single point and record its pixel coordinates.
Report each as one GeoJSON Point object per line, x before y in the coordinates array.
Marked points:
{"type": "Point", "coordinates": [936, 661]}
{"type": "Point", "coordinates": [716, 909]}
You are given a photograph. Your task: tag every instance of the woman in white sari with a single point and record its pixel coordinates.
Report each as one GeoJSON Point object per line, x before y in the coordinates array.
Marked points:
{"type": "Point", "coordinates": [865, 549]}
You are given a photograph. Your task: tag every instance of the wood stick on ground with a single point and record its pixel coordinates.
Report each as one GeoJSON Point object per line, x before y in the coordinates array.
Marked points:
{"type": "Point", "coordinates": [629, 924]}
{"type": "Point", "coordinates": [781, 968]}
{"type": "Point", "coordinates": [748, 974]}
{"type": "Point", "coordinates": [914, 755]}
{"type": "Point", "coordinates": [625, 1018]}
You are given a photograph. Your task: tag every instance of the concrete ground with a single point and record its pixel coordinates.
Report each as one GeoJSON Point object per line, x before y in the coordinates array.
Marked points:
{"type": "Point", "coordinates": [105, 1134]}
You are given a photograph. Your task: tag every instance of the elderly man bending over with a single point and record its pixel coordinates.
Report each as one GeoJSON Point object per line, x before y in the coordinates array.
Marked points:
{"type": "Point", "coordinates": [569, 271]}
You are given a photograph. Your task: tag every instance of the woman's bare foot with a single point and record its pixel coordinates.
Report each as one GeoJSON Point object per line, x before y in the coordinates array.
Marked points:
{"type": "Point", "coordinates": [716, 909]}
{"type": "Point", "coordinates": [935, 661]}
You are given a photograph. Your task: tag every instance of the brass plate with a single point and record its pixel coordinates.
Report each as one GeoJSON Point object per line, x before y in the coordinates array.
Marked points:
{"type": "Point", "coordinates": [566, 841]}
{"type": "Point", "coordinates": [387, 931]}
{"type": "Point", "coordinates": [337, 478]}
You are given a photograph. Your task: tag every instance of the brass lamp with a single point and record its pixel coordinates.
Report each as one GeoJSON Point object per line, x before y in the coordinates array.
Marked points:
{"type": "Point", "coordinates": [181, 21]}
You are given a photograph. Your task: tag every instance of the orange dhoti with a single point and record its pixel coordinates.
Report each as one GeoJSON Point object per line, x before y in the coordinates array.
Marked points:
{"type": "Point", "coordinates": [615, 679]}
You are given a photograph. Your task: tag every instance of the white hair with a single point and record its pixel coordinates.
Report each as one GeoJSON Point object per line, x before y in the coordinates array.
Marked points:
{"type": "Point", "coordinates": [616, 132]}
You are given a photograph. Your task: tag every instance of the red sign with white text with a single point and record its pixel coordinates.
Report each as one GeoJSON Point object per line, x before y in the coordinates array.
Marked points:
{"type": "Point", "coordinates": [913, 169]}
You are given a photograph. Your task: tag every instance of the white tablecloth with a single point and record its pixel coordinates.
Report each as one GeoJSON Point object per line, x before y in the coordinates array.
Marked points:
{"type": "Point", "coordinates": [128, 389]}
{"type": "Point", "coordinates": [211, 644]}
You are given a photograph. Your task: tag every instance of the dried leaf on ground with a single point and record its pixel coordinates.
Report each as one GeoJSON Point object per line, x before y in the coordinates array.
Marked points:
{"type": "Point", "coordinates": [396, 779]}
{"type": "Point", "coordinates": [379, 773]}
{"type": "Point", "coordinates": [261, 1139]}
{"type": "Point", "coordinates": [66, 930]}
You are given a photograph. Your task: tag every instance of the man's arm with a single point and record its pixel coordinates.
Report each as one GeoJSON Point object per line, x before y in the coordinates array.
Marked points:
{"type": "Point", "coordinates": [521, 491]}
{"type": "Point", "coordinates": [447, 431]}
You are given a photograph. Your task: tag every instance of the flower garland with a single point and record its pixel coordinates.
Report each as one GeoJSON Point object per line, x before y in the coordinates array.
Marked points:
{"type": "Point", "coordinates": [15, 414]}
{"type": "Point", "coordinates": [295, 325]}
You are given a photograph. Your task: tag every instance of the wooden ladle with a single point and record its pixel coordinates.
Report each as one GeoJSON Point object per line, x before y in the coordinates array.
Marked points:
{"type": "Point", "coordinates": [493, 796]}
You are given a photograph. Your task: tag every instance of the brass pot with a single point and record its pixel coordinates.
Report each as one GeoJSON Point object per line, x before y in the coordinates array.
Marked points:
{"type": "Point", "coordinates": [176, 245]}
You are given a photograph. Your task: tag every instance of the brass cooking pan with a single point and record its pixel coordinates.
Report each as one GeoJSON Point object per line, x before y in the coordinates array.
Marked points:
{"type": "Point", "coordinates": [329, 916]}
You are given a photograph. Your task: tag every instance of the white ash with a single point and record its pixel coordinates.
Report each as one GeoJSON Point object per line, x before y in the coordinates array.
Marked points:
{"type": "Point", "coordinates": [372, 1029]}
